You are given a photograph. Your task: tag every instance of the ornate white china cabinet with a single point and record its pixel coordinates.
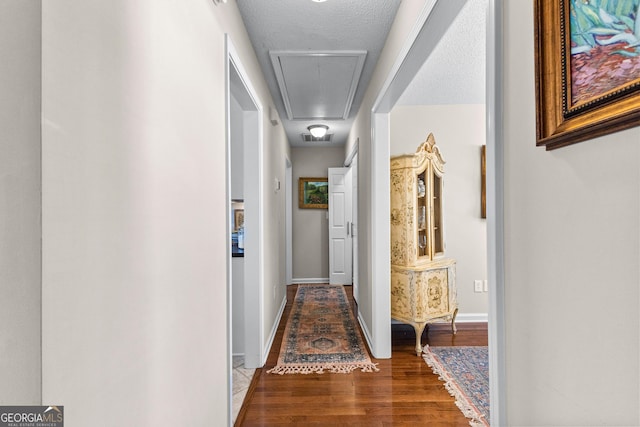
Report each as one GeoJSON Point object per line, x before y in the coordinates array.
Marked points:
{"type": "Point", "coordinates": [423, 281]}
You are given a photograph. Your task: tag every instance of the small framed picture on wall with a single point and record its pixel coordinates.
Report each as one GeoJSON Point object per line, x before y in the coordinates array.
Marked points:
{"type": "Point", "coordinates": [313, 193]}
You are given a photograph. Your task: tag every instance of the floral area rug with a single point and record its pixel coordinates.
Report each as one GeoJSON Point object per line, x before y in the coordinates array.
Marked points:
{"type": "Point", "coordinates": [465, 371]}
{"type": "Point", "coordinates": [321, 334]}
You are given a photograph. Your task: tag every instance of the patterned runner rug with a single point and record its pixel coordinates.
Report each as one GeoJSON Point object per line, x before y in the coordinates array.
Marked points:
{"type": "Point", "coordinates": [465, 371]}
{"type": "Point", "coordinates": [321, 334]}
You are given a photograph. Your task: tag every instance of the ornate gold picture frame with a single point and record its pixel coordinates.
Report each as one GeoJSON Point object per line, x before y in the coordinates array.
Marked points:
{"type": "Point", "coordinates": [587, 69]}
{"type": "Point", "coordinates": [238, 219]}
{"type": "Point", "coordinates": [313, 193]}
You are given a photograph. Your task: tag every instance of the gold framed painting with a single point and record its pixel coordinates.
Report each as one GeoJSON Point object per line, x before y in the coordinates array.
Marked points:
{"type": "Point", "coordinates": [238, 219]}
{"type": "Point", "coordinates": [313, 193]}
{"type": "Point", "coordinates": [587, 56]}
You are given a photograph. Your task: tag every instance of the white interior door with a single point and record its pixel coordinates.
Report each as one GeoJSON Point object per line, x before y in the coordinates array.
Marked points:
{"type": "Point", "coordinates": [340, 249]}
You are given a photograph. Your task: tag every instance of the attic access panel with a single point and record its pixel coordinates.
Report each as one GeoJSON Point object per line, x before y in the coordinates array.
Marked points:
{"type": "Point", "coordinates": [318, 84]}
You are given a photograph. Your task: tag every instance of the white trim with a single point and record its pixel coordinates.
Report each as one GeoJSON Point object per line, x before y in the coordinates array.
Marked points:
{"type": "Point", "coordinates": [308, 281]}
{"type": "Point", "coordinates": [354, 151]}
{"type": "Point", "coordinates": [380, 238]}
{"type": "Point", "coordinates": [254, 217]}
{"type": "Point", "coordinates": [288, 182]}
{"type": "Point", "coordinates": [274, 329]}
{"type": "Point", "coordinates": [228, 247]}
{"type": "Point", "coordinates": [472, 318]}
{"type": "Point", "coordinates": [495, 213]}
{"type": "Point", "coordinates": [355, 235]}
{"type": "Point", "coordinates": [365, 331]}
{"type": "Point", "coordinates": [460, 318]}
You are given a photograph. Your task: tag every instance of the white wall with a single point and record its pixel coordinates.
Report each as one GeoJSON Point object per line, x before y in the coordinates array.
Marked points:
{"type": "Point", "coordinates": [571, 252]}
{"type": "Point", "coordinates": [361, 131]}
{"type": "Point", "coordinates": [134, 234]}
{"type": "Point", "coordinates": [459, 131]}
{"type": "Point", "coordinates": [20, 202]}
{"type": "Point", "coordinates": [571, 261]}
{"type": "Point", "coordinates": [134, 270]}
{"type": "Point", "coordinates": [276, 152]}
{"type": "Point", "coordinates": [311, 226]}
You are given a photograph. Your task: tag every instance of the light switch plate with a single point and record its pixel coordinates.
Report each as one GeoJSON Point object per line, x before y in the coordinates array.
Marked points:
{"type": "Point", "coordinates": [477, 285]}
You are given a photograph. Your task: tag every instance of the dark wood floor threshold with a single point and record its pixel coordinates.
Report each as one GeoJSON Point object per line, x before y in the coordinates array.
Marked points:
{"type": "Point", "coordinates": [404, 393]}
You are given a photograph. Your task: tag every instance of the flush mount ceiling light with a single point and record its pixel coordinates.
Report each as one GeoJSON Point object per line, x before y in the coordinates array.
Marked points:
{"type": "Point", "coordinates": [318, 131]}
{"type": "Point", "coordinates": [318, 1]}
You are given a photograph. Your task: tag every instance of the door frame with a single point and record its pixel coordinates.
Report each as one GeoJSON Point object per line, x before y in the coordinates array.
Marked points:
{"type": "Point", "coordinates": [495, 212]}
{"type": "Point", "coordinates": [253, 220]}
{"type": "Point", "coordinates": [355, 267]}
{"type": "Point", "coordinates": [288, 189]}
{"type": "Point", "coordinates": [434, 19]}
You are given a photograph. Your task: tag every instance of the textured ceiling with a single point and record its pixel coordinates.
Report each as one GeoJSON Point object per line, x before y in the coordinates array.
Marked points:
{"type": "Point", "coordinates": [454, 73]}
{"type": "Point", "coordinates": [335, 25]}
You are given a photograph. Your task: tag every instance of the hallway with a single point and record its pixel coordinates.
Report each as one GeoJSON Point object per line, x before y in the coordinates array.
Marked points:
{"type": "Point", "coordinates": [114, 243]}
{"type": "Point", "coordinates": [404, 390]}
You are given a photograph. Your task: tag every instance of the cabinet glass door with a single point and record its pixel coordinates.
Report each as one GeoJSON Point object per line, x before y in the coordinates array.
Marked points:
{"type": "Point", "coordinates": [421, 215]}
{"type": "Point", "coordinates": [438, 237]}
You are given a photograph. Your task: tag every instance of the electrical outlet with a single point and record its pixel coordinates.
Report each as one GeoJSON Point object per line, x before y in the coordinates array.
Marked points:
{"type": "Point", "coordinates": [485, 285]}
{"type": "Point", "coordinates": [477, 285]}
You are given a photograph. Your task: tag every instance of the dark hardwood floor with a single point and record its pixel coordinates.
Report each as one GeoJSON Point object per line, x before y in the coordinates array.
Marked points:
{"type": "Point", "coordinates": [404, 393]}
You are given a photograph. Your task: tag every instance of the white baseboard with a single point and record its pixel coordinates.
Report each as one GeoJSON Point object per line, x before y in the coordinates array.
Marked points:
{"type": "Point", "coordinates": [365, 331]}
{"type": "Point", "coordinates": [274, 329]}
{"type": "Point", "coordinates": [472, 317]}
{"type": "Point", "coordinates": [309, 281]}
{"type": "Point", "coordinates": [461, 318]}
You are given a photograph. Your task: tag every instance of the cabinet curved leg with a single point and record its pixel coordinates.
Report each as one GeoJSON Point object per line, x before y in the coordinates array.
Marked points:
{"type": "Point", "coordinates": [419, 327]}
{"type": "Point", "coordinates": [453, 322]}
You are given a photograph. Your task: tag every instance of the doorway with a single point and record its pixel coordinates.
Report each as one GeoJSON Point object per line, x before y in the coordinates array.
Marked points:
{"type": "Point", "coordinates": [352, 163]}
{"type": "Point", "coordinates": [244, 164]}
{"type": "Point", "coordinates": [435, 19]}
{"type": "Point", "coordinates": [288, 176]}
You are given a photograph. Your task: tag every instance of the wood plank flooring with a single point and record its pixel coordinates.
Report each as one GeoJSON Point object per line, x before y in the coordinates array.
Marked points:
{"type": "Point", "coordinates": [404, 393]}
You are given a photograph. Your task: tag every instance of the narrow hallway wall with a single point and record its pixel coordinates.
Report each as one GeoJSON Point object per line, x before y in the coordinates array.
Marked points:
{"type": "Point", "coordinates": [20, 202]}
{"type": "Point", "coordinates": [134, 209]}
{"type": "Point", "coordinates": [134, 235]}
{"type": "Point", "coordinates": [572, 245]}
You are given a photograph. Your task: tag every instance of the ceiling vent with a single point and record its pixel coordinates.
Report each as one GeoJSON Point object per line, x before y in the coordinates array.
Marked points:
{"type": "Point", "coordinates": [307, 137]}
{"type": "Point", "coordinates": [318, 84]}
